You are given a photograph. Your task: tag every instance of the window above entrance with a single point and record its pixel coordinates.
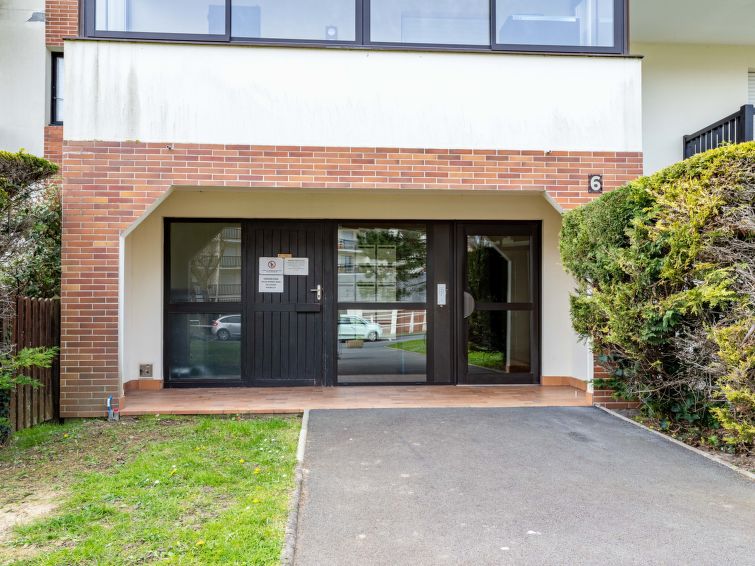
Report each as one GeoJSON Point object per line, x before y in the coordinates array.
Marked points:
{"type": "Point", "coordinates": [563, 26]}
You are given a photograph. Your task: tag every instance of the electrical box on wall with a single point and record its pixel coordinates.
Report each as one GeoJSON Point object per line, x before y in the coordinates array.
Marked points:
{"type": "Point", "coordinates": [145, 370]}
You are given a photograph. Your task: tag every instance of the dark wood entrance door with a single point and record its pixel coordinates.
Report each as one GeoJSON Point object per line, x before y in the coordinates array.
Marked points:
{"type": "Point", "coordinates": [498, 299]}
{"type": "Point", "coordinates": [285, 312]}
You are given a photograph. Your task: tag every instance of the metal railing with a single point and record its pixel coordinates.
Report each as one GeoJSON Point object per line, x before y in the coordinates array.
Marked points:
{"type": "Point", "coordinates": [737, 128]}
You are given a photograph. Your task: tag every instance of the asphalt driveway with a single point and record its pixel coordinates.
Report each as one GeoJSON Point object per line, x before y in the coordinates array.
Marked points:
{"type": "Point", "coordinates": [513, 486]}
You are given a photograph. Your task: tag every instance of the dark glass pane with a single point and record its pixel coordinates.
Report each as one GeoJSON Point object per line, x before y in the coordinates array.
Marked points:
{"type": "Point", "coordinates": [205, 262]}
{"type": "Point", "coordinates": [59, 87]}
{"type": "Point", "coordinates": [439, 22]}
{"type": "Point", "coordinates": [327, 20]}
{"type": "Point", "coordinates": [382, 264]}
{"type": "Point", "coordinates": [204, 346]}
{"type": "Point", "coordinates": [166, 16]}
{"type": "Point", "coordinates": [498, 268]}
{"type": "Point", "coordinates": [383, 346]}
{"type": "Point", "coordinates": [498, 342]}
{"type": "Point", "coordinates": [574, 23]}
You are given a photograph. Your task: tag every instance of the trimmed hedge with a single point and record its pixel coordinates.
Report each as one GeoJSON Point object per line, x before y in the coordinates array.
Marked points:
{"type": "Point", "coordinates": [665, 271]}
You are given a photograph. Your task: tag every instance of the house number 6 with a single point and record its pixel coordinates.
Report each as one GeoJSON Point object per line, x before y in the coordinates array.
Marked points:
{"type": "Point", "coordinates": [596, 184]}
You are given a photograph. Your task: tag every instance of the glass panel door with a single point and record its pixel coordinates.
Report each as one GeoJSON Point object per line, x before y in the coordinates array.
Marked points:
{"type": "Point", "coordinates": [499, 303]}
{"type": "Point", "coordinates": [382, 304]}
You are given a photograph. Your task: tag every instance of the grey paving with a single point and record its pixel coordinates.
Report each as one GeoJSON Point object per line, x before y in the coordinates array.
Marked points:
{"type": "Point", "coordinates": [513, 486]}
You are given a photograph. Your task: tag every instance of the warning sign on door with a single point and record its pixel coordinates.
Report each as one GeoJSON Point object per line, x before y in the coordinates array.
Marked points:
{"type": "Point", "coordinates": [271, 266]}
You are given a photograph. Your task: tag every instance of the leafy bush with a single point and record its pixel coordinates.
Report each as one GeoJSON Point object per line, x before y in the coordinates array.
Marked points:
{"type": "Point", "coordinates": [665, 271]}
{"type": "Point", "coordinates": [30, 226]}
{"type": "Point", "coordinates": [12, 374]}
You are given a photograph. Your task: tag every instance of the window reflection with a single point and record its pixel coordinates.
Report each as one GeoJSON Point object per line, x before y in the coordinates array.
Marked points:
{"type": "Point", "coordinates": [330, 20]}
{"type": "Point", "coordinates": [165, 16]}
{"type": "Point", "coordinates": [586, 23]}
{"type": "Point", "coordinates": [205, 262]}
{"type": "Point", "coordinates": [204, 346]}
{"type": "Point", "coordinates": [440, 22]}
{"type": "Point", "coordinates": [498, 342]}
{"type": "Point", "coordinates": [382, 346]}
{"type": "Point", "coordinates": [498, 268]}
{"type": "Point", "coordinates": [382, 265]}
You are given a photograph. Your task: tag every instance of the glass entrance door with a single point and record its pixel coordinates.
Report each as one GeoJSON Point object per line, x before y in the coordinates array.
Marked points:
{"type": "Point", "coordinates": [499, 303]}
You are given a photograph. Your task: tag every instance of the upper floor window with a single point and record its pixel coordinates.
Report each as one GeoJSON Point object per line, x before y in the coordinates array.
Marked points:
{"type": "Point", "coordinates": [573, 23]}
{"type": "Point", "coordinates": [308, 20]}
{"type": "Point", "coordinates": [56, 89]}
{"type": "Point", "coordinates": [592, 26]}
{"type": "Point", "coordinates": [430, 22]}
{"type": "Point", "coordinates": [190, 17]}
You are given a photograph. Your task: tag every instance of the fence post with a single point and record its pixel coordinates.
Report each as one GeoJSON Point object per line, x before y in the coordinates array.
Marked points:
{"type": "Point", "coordinates": [747, 131]}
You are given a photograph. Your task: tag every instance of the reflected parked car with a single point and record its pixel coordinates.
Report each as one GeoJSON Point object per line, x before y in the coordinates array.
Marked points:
{"type": "Point", "coordinates": [226, 327]}
{"type": "Point", "coordinates": [356, 328]}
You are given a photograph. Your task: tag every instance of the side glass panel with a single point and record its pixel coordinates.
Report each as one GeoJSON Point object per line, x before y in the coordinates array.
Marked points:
{"type": "Point", "coordinates": [58, 88]}
{"type": "Point", "coordinates": [201, 17]}
{"type": "Point", "coordinates": [498, 268]}
{"type": "Point", "coordinates": [499, 308]}
{"type": "Point", "coordinates": [382, 346]}
{"type": "Point", "coordinates": [438, 22]}
{"type": "Point", "coordinates": [205, 262]}
{"type": "Point", "coordinates": [382, 265]}
{"type": "Point", "coordinates": [573, 23]}
{"type": "Point", "coordinates": [204, 346]}
{"type": "Point", "coordinates": [325, 20]}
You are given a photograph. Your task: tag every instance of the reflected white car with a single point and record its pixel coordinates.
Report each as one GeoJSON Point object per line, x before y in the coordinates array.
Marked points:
{"type": "Point", "coordinates": [356, 328]}
{"type": "Point", "coordinates": [227, 327]}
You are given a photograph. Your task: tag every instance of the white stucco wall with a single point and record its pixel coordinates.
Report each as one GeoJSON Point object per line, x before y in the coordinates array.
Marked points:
{"type": "Point", "coordinates": [142, 322]}
{"type": "Point", "coordinates": [686, 88]}
{"type": "Point", "coordinates": [23, 59]}
{"type": "Point", "coordinates": [339, 97]}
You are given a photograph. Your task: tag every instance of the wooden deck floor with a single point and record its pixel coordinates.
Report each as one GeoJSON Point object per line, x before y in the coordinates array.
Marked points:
{"type": "Point", "coordinates": [285, 400]}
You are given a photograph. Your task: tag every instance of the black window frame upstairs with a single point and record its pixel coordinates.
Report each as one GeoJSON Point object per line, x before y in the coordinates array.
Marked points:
{"type": "Point", "coordinates": [362, 35]}
{"type": "Point", "coordinates": [55, 120]}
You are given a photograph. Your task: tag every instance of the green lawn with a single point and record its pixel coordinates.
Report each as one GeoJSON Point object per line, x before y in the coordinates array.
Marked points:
{"type": "Point", "coordinates": [492, 360]}
{"type": "Point", "coordinates": [176, 490]}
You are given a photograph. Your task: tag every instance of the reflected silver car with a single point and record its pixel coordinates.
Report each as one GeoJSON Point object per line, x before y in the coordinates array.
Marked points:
{"type": "Point", "coordinates": [356, 328]}
{"type": "Point", "coordinates": [227, 327]}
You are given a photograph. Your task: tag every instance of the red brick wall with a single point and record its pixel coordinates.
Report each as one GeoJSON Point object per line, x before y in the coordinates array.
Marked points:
{"type": "Point", "coordinates": [54, 144]}
{"type": "Point", "coordinates": [604, 396]}
{"type": "Point", "coordinates": [108, 185]}
{"type": "Point", "coordinates": [62, 20]}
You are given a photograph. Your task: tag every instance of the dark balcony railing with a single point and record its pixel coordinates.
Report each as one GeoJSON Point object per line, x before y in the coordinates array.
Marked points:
{"type": "Point", "coordinates": [737, 128]}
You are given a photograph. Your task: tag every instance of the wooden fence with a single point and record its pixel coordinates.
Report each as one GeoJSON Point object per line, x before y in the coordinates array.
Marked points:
{"type": "Point", "coordinates": [37, 323]}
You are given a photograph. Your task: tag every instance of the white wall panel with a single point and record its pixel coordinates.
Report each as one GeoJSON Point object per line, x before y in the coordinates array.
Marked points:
{"type": "Point", "coordinates": [337, 97]}
{"type": "Point", "coordinates": [22, 77]}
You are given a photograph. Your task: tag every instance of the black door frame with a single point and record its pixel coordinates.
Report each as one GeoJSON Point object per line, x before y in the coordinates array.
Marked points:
{"type": "Point", "coordinates": [446, 249]}
{"type": "Point", "coordinates": [170, 308]}
{"type": "Point", "coordinates": [499, 228]}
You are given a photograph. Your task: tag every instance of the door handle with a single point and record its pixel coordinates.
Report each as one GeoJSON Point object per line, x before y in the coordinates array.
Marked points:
{"type": "Point", "coordinates": [469, 305]}
{"type": "Point", "coordinates": [318, 292]}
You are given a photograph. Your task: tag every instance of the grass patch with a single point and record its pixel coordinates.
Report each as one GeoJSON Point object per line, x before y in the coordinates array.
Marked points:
{"type": "Point", "coordinates": [177, 490]}
{"type": "Point", "coordinates": [493, 360]}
